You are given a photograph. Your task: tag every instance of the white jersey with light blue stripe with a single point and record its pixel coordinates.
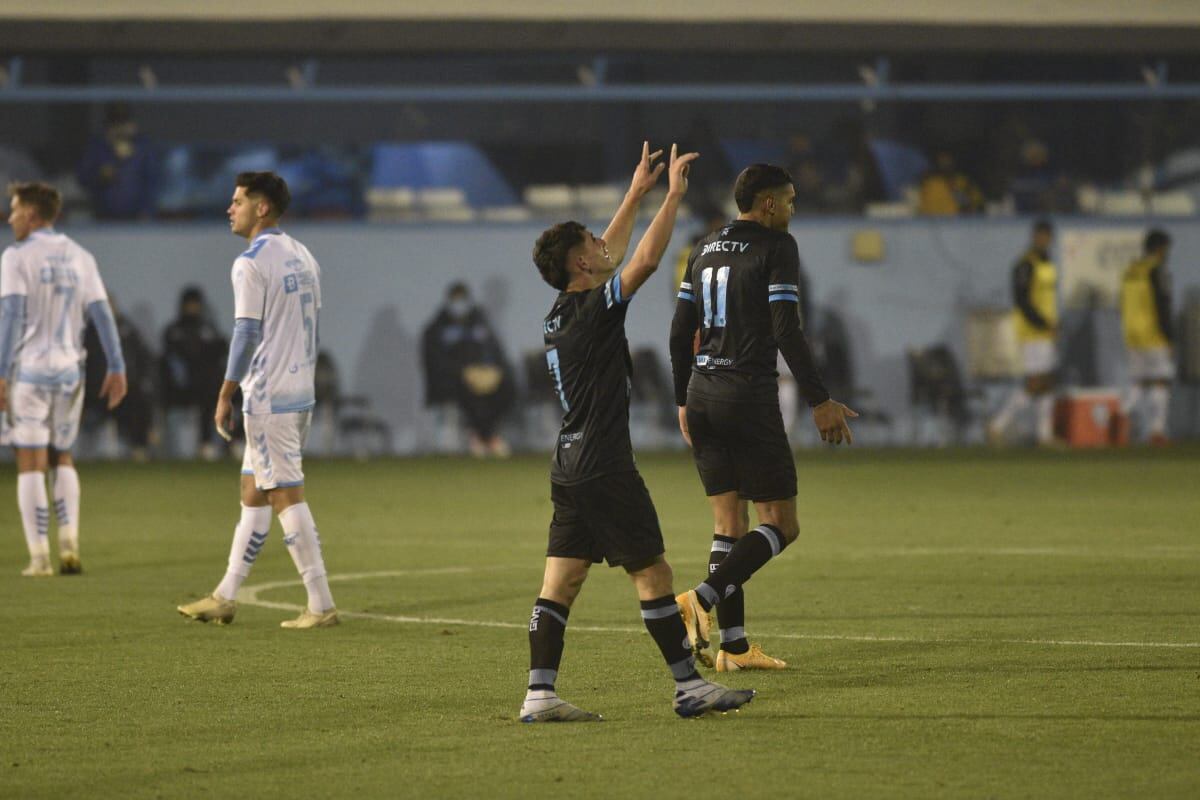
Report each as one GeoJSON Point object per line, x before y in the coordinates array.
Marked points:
{"type": "Point", "coordinates": [279, 282]}
{"type": "Point", "coordinates": [59, 280]}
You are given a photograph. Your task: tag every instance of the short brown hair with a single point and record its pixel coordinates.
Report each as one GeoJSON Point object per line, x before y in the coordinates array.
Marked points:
{"type": "Point", "coordinates": [268, 185]}
{"type": "Point", "coordinates": [42, 197]}
{"type": "Point", "coordinates": [550, 252]}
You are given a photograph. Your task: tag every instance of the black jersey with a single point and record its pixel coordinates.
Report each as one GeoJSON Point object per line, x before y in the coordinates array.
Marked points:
{"type": "Point", "coordinates": [588, 357]}
{"type": "Point", "coordinates": [744, 284]}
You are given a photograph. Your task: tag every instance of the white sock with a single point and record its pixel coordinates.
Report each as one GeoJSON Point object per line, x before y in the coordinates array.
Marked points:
{"type": "Point", "coordinates": [66, 508]}
{"type": "Point", "coordinates": [35, 513]}
{"type": "Point", "coordinates": [1045, 418]}
{"type": "Point", "coordinates": [1160, 400]}
{"type": "Point", "coordinates": [248, 539]}
{"type": "Point", "coordinates": [1017, 401]}
{"type": "Point", "coordinates": [300, 536]}
{"type": "Point", "coordinates": [1130, 399]}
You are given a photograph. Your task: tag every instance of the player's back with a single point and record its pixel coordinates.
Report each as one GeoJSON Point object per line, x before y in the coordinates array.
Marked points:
{"type": "Point", "coordinates": [280, 276]}
{"type": "Point", "coordinates": [734, 276]}
{"type": "Point", "coordinates": [59, 279]}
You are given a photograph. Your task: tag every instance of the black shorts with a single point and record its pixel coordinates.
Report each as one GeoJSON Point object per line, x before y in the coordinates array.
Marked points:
{"type": "Point", "coordinates": [607, 518]}
{"type": "Point", "coordinates": [741, 447]}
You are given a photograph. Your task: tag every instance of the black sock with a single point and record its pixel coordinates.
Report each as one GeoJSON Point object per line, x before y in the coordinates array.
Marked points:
{"type": "Point", "coordinates": [750, 553]}
{"type": "Point", "coordinates": [666, 627]}
{"type": "Point", "coordinates": [547, 627]}
{"type": "Point", "coordinates": [731, 612]}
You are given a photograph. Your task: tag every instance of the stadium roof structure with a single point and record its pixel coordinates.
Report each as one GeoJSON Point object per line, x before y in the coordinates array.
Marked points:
{"type": "Point", "coordinates": [378, 26]}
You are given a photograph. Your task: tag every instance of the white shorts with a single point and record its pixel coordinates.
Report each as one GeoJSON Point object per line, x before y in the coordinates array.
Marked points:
{"type": "Point", "coordinates": [1039, 357]}
{"type": "Point", "coordinates": [1154, 364]}
{"type": "Point", "coordinates": [273, 448]}
{"type": "Point", "coordinates": [44, 415]}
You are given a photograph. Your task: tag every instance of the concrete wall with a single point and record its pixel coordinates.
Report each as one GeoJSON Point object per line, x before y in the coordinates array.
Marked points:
{"type": "Point", "coordinates": [382, 283]}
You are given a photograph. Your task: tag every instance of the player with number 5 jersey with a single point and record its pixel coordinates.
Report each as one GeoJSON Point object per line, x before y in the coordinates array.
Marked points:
{"type": "Point", "coordinates": [273, 356]}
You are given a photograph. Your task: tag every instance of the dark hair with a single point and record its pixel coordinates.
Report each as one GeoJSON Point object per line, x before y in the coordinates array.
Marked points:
{"type": "Point", "coordinates": [755, 179]}
{"type": "Point", "coordinates": [1156, 240]}
{"type": "Point", "coordinates": [268, 185]}
{"type": "Point", "coordinates": [550, 252]}
{"type": "Point", "coordinates": [1043, 226]}
{"type": "Point", "coordinates": [458, 289]}
{"type": "Point", "coordinates": [43, 197]}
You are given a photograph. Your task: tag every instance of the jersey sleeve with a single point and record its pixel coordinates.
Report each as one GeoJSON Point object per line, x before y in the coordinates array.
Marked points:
{"type": "Point", "coordinates": [783, 274]}
{"type": "Point", "coordinates": [606, 304]}
{"type": "Point", "coordinates": [12, 280]}
{"type": "Point", "coordinates": [93, 286]}
{"type": "Point", "coordinates": [249, 290]}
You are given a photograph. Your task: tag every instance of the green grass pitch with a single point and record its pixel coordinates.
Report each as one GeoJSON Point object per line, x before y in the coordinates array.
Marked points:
{"type": "Point", "coordinates": [965, 624]}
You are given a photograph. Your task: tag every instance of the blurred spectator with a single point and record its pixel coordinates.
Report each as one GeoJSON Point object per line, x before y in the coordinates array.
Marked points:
{"type": "Point", "coordinates": [1036, 188]}
{"type": "Point", "coordinates": [1146, 321]}
{"type": "Point", "coordinates": [809, 178]}
{"type": "Point", "coordinates": [709, 190]}
{"type": "Point", "coordinates": [135, 415]}
{"type": "Point", "coordinates": [193, 366]}
{"type": "Point", "coordinates": [851, 173]}
{"type": "Point", "coordinates": [120, 168]}
{"type": "Point", "coordinates": [17, 166]}
{"type": "Point", "coordinates": [464, 363]}
{"type": "Point", "coordinates": [946, 192]}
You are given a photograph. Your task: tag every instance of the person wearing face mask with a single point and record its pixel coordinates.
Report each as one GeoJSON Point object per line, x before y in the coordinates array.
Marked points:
{"type": "Point", "coordinates": [120, 168]}
{"type": "Point", "coordinates": [465, 367]}
{"type": "Point", "coordinates": [193, 352]}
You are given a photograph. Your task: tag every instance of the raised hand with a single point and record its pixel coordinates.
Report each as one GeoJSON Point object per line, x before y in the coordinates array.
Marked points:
{"type": "Point", "coordinates": [677, 177]}
{"type": "Point", "coordinates": [646, 174]}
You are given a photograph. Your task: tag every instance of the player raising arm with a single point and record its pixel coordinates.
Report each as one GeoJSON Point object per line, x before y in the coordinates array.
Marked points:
{"type": "Point", "coordinates": [741, 291]}
{"type": "Point", "coordinates": [602, 510]}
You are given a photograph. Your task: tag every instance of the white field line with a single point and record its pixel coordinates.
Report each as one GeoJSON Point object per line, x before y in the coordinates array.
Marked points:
{"type": "Point", "coordinates": [249, 595]}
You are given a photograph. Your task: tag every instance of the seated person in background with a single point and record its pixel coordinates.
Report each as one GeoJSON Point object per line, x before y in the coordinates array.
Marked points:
{"type": "Point", "coordinates": [120, 168]}
{"type": "Point", "coordinates": [464, 363]}
{"type": "Point", "coordinates": [946, 192]}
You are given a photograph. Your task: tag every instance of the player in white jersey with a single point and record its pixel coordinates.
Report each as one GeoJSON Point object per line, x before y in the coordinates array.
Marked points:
{"type": "Point", "coordinates": [47, 284]}
{"type": "Point", "coordinates": [273, 355]}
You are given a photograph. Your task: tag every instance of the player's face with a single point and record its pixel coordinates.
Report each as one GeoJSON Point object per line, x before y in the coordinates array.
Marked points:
{"type": "Point", "coordinates": [593, 253]}
{"type": "Point", "coordinates": [242, 213]}
{"type": "Point", "coordinates": [781, 207]}
{"type": "Point", "coordinates": [20, 219]}
{"type": "Point", "coordinates": [1042, 241]}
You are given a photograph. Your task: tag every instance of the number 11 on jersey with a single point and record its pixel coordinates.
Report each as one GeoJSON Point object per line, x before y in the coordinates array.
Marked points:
{"type": "Point", "coordinates": [714, 319]}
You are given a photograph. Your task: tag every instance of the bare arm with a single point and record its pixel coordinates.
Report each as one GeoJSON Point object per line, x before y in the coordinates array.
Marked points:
{"type": "Point", "coordinates": [654, 243]}
{"type": "Point", "coordinates": [621, 228]}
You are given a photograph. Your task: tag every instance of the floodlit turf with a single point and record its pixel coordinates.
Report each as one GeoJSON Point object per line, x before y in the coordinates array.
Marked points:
{"type": "Point", "coordinates": [958, 624]}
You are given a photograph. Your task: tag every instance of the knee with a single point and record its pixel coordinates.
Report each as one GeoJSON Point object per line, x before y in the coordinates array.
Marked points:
{"type": "Point", "coordinates": [789, 529]}
{"type": "Point", "coordinates": [652, 580]}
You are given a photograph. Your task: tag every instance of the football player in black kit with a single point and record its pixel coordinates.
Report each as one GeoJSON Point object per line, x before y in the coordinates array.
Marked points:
{"type": "Point", "coordinates": [741, 292]}
{"type": "Point", "coordinates": [602, 510]}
